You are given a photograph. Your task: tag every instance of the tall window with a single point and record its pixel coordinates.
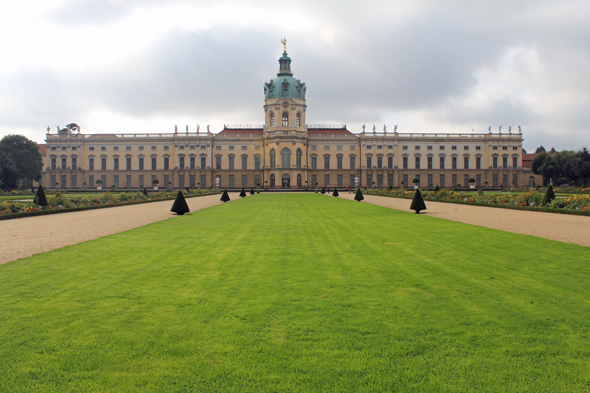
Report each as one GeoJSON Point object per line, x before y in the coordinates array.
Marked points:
{"type": "Point", "coordinates": [91, 163]}
{"type": "Point", "coordinates": [154, 163]}
{"type": "Point", "coordinates": [298, 120]}
{"type": "Point", "coordinates": [203, 162]}
{"type": "Point", "coordinates": [505, 162]}
{"type": "Point", "coordinates": [54, 163]}
{"type": "Point", "coordinates": [442, 163]}
{"type": "Point", "coordinates": [454, 162]}
{"type": "Point", "coordinates": [314, 162]}
{"type": "Point", "coordinates": [339, 162]}
{"type": "Point", "coordinates": [141, 163]}
{"type": "Point", "coordinates": [429, 159]}
{"type": "Point", "coordinates": [273, 158]}
{"type": "Point", "coordinates": [477, 162]}
{"type": "Point", "coordinates": [74, 163]}
{"type": "Point", "coordinates": [217, 162]}
{"type": "Point", "coordinates": [442, 179]}
{"type": "Point", "coordinates": [181, 163]}
{"type": "Point", "coordinates": [128, 163]}
{"type": "Point", "coordinates": [285, 119]}
{"type": "Point", "coordinates": [231, 161]}
{"type": "Point", "coordinates": [64, 163]}
{"type": "Point", "coordinates": [272, 119]}
{"type": "Point", "coordinates": [352, 162]}
{"type": "Point", "coordinates": [257, 162]}
{"type": "Point", "coordinates": [405, 162]}
{"type": "Point", "coordinates": [495, 161]}
{"type": "Point", "coordinates": [285, 158]}
{"type": "Point", "coordinates": [326, 162]}
{"type": "Point", "coordinates": [390, 163]}
{"type": "Point", "coordinates": [299, 153]}
{"type": "Point", "coordinates": [466, 162]}
{"type": "Point", "coordinates": [192, 162]}
{"type": "Point", "coordinates": [379, 162]}
{"type": "Point", "coordinates": [166, 163]}
{"type": "Point", "coordinates": [515, 162]}
{"type": "Point", "coordinates": [244, 162]}
{"type": "Point", "coordinates": [369, 162]}
{"type": "Point", "coordinates": [417, 159]}
{"type": "Point", "coordinates": [103, 163]}
{"type": "Point", "coordinates": [116, 163]}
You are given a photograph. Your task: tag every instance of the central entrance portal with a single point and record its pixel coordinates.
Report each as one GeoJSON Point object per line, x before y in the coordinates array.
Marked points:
{"type": "Point", "coordinates": [286, 181]}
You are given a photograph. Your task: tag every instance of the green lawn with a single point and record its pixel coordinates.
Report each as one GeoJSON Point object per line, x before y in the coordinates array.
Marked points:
{"type": "Point", "coordinates": [299, 293]}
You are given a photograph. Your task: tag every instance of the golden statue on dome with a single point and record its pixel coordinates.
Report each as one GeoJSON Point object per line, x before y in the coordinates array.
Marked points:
{"type": "Point", "coordinates": [284, 42]}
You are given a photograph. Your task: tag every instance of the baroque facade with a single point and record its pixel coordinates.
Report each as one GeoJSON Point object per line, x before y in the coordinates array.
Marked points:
{"type": "Point", "coordinates": [284, 152]}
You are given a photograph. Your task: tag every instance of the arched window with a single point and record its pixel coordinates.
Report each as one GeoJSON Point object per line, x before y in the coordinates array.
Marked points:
{"type": "Point", "coordinates": [272, 119]}
{"type": "Point", "coordinates": [285, 158]}
{"type": "Point", "coordinates": [285, 119]}
{"type": "Point", "coordinates": [299, 153]}
{"type": "Point", "coordinates": [273, 158]}
{"type": "Point", "coordinates": [298, 120]}
{"type": "Point", "coordinates": [299, 180]}
{"type": "Point", "coordinates": [272, 180]}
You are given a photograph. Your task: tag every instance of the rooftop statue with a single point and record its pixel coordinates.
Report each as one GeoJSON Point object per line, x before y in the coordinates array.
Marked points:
{"type": "Point", "coordinates": [284, 42]}
{"type": "Point", "coordinates": [69, 129]}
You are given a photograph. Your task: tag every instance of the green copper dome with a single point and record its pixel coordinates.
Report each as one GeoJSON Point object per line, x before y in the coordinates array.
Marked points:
{"type": "Point", "coordinates": [284, 85]}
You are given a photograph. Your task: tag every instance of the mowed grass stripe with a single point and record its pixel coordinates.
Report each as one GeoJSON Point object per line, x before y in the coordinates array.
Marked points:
{"type": "Point", "coordinates": [294, 293]}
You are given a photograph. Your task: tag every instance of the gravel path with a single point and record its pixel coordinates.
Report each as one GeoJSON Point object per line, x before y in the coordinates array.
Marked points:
{"type": "Point", "coordinates": [24, 237]}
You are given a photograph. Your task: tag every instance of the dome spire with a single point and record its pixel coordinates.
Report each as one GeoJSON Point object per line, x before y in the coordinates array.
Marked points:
{"type": "Point", "coordinates": [284, 62]}
{"type": "Point", "coordinates": [284, 42]}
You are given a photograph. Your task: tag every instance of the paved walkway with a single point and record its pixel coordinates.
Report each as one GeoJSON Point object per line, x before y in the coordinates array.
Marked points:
{"type": "Point", "coordinates": [24, 237]}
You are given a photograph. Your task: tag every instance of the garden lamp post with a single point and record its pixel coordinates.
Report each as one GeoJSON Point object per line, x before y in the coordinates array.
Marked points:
{"type": "Point", "coordinates": [217, 181]}
{"type": "Point", "coordinates": [356, 182]}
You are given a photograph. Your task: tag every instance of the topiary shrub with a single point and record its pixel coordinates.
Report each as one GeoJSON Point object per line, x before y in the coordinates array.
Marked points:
{"type": "Point", "coordinates": [224, 196]}
{"type": "Point", "coordinates": [359, 195]}
{"type": "Point", "coordinates": [323, 190]}
{"type": "Point", "coordinates": [418, 202]}
{"type": "Point", "coordinates": [437, 188]}
{"type": "Point", "coordinates": [243, 193]}
{"type": "Point", "coordinates": [549, 195]}
{"type": "Point", "coordinates": [252, 191]}
{"type": "Point", "coordinates": [180, 206]}
{"type": "Point", "coordinates": [335, 193]}
{"type": "Point", "coordinates": [40, 198]}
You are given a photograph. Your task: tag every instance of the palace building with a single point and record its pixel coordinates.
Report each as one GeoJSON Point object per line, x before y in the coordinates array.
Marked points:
{"type": "Point", "coordinates": [284, 152]}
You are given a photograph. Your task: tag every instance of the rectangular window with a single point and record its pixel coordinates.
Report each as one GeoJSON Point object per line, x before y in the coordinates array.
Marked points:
{"type": "Point", "coordinates": [104, 180]}
{"type": "Point", "coordinates": [429, 147]}
{"type": "Point", "coordinates": [116, 181]}
{"type": "Point", "coordinates": [244, 148]}
{"type": "Point", "coordinates": [326, 147]}
{"type": "Point", "coordinates": [140, 163]}
{"type": "Point", "coordinates": [390, 162]}
{"type": "Point", "coordinates": [514, 179]}
{"type": "Point", "coordinates": [128, 163]}
{"type": "Point", "coordinates": [416, 147]}
{"type": "Point", "coordinates": [515, 162]}
{"type": "Point", "coordinates": [369, 180]}
{"type": "Point", "coordinates": [429, 162]}
{"type": "Point", "coordinates": [369, 147]}
{"type": "Point", "coordinates": [64, 163]}
{"type": "Point", "coordinates": [103, 164]}
{"type": "Point", "coordinates": [192, 163]}
{"type": "Point", "coordinates": [231, 162]}
{"type": "Point", "coordinates": [326, 162]}
{"type": "Point", "coordinates": [441, 147]}
{"type": "Point", "coordinates": [166, 163]}
{"type": "Point", "coordinates": [154, 161]}
{"type": "Point", "coordinates": [244, 162]}
{"type": "Point", "coordinates": [495, 162]}
{"type": "Point", "coordinates": [339, 147]}
{"type": "Point", "coordinates": [154, 147]}
{"type": "Point", "coordinates": [352, 162]}
{"type": "Point", "coordinates": [454, 162]}
{"type": "Point", "coordinates": [64, 148]}
{"type": "Point", "coordinates": [466, 162]}
{"type": "Point", "coordinates": [64, 182]}
{"type": "Point", "coordinates": [314, 162]}
{"type": "Point", "coordinates": [465, 147]}
{"type": "Point", "coordinates": [166, 181]}
{"type": "Point", "coordinates": [465, 179]}
{"type": "Point", "coordinates": [181, 163]}
{"type": "Point", "coordinates": [128, 181]}
{"type": "Point", "coordinates": [74, 148]}
{"type": "Point", "coordinates": [217, 162]}
{"type": "Point", "coordinates": [379, 147]}
{"type": "Point", "coordinates": [244, 181]}
{"type": "Point", "coordinates": [404, 147]}
{"type": "Point", "coordinates": [53, 163]}
{"type": "Point", "coordinates": [495, 180]}
{"type": "Point", "coordinates": [379, 180]}
{"type": "Point", "coordinates": [141, 181]}
{"type": "Point", "coordinates": [181, 181]}
{"type": "Point", "coordinates": [454, 180]}
{"type": "Point", "coordinates": [203, 147]}
{"type": "Point", "coordinates": [103, 148]}
{"type": "Point", "coordinates": [257, 162]}
{"type": "Point", "coordinates": [494, 147]}
{"type": "Point", "coordinates": [453, 147]}
{"type": "Point", "coordinates": [91, 180]}
{"type": "Point", "coordinates": [116, 163]}
{"type": "Point", "coordinates": [405, 179]}
{"type": "Point", "coordinates": [352, 147]}
{"type": "Point", "coordinates": [514, 147]}
{"type": "Point", "coordinates": [442, 163]}
{"type": "Point", "coordinates": [339, 162]}
{"type": "Point", "coordinates": [352, 181]}
{"type": "Point", "coordinates": [390, 179]}
{"type": "Point", "coordinates": [442, 180]}
{"type": "Point", "coordinates": [203, 181]}
{"type": "Point", "coordinates": [140, 148]}
{"type": "Point", "coordinates": [417, 159]}
{"type": "Point", "coordinates": [478, 180]}
{"type": "Point", "coordinates": [314, 148]}
{"type": "Point", "coordinates": [91, 164]}
{"type": "Point", "coordinates": [339, 180]}
{"type": "Point", "coordinates": [192, 179]}
{"type": "Point", "coordinates": [74, 181]}
{"type": "Point", "coordinates": [405, 162]}
{"type": "Point", "coordinates": [379, 162]}
{"type": "Point", "coordinates": [181, 147]}
{"type": "Point", "coordinates": [505, 162]}
{"type": "Point", "coordinates": [430, 182]}
{"type": "Point", "coordinates": [504, 147]}
{"type": "Point", "coordinates": [390, 147]}
{"type": "Point", "coordinates": [115, 148]}
{"type": "Point", "coordinates": [231, 148]}
{"type": "Point", "coordinates": [314, 180]}
{"type": "Point", "coordinates": [369, 162]}
{"type": "Point", "coordinates": [91, 148]}
{"type": "Point", "coordinates": [127, 148]}
{"type": "Point", "coordinates": [477, 162]}
{"type": "Point", "coordinates": [166, 147]}
{"type": "Point", "coordinates": [477, 147]}
{"type": "Point", "coordinates": [203, 162]}
{"type": "Point", "coordinates": [505, 179]}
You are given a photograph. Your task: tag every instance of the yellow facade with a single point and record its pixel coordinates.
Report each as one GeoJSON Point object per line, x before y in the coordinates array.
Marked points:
{"type": "Point", "coordinates": [284, 152]}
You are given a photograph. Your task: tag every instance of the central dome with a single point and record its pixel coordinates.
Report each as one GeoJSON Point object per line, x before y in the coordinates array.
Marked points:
{"type": "Point", "coordinates": [284, 85]}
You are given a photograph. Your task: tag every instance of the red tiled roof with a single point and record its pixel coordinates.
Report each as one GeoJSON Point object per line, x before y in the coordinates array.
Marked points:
{"type": "Point", "coordinates": [42, 148]}
{"type": "Point", "coordinates": [241, 131]}
{"type": "Point", "coordinates": [527, 159]}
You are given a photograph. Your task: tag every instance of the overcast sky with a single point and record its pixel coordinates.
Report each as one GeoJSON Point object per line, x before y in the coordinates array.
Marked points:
{"type": "Point", "coordinates": [138, 66]}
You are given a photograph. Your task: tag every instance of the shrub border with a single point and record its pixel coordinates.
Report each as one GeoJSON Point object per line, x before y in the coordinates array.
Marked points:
{"type": "Point", "coordinates": [82, 208]}
{"type": "Point", "coordinates": [529, 208]}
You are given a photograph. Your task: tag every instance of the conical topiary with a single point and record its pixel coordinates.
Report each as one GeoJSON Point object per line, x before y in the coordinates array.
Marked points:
{"type": "Point", "coordinates": [549, 195]}
{"type": "Point", "coordinates": [224, 196]}
{"type": "Point", "coordinates": [243, 193]}
{"type": "Point", "coordinates": [252, 191]}
{"type": "Point", "coordinates": [179, 206]}
{"type": "Point", "coordinates": [437, 188]}
{"type": "Point", "coordinates": [40, 198]}
{"type": "Point", "coordinates": [323, 190]}
{"type": "Point", "coordinates": [359, 195]}
{"type": "Point", "coordinates": [144, 191]}
{"type": "Point", "coordinates": [335, 193]}
{"type": "Point", "coordinates": [418, 202]}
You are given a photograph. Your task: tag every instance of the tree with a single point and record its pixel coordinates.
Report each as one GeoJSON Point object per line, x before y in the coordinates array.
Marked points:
{"type": "Point", "coordinates": [323, 190]}
{"type": "Point", "coordinates": [335, 193]}
{"type": "Point", "coordinates": [224, 196]}
{"type": "Point", "coordinates": [40, 198]}
{"type": "Point", "coordinates": [8, 172]}
{"type": "Point", "coordinates": [25, 156]}
{"type": "Point", "coordinates": [180, 206]}
{"type": "Point", "coordinates": [540, 149]}
{"type": "Point", "coordinates": [418, 202]}
{"type": "Point", "coordinates": [549, 195]}
{"type": "Point", "coordinates": [252, 191]}
{"type": "Point", "coordinates": [359, 195]}
{"type": "Point", "coordinates": [243, 193]}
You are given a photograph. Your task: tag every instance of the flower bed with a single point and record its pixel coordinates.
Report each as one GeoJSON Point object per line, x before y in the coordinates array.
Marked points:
{"type": "Point", "coordinates": [529, 200]}
{"type": "Point", "coordinates": [60, 203]}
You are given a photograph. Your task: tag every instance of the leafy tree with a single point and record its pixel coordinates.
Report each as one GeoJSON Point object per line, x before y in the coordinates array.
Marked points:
{"type": "Point", "coordinates": [180, 206]}
{"type": "Point", "coordinates": [418, 202]}
{"type": "Point", "coordinates": [224, 196]}
{"type": "Point", "coordinates": [25, 156]}
{"type": "Point", "coordinates": [243, 193]}
{"type": "Point", "coordinates": [40, 198]}
{"type": "Point", "coordinates": [540, 149]}
{"type": "Point", "coordinates": [335, 193]}
{"type": "Point", "coordinates": [8, 172]}
{"type": "Point", "coordinates": [549, 195]}
{"type": "Point", "coordinates": [359, 195]}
